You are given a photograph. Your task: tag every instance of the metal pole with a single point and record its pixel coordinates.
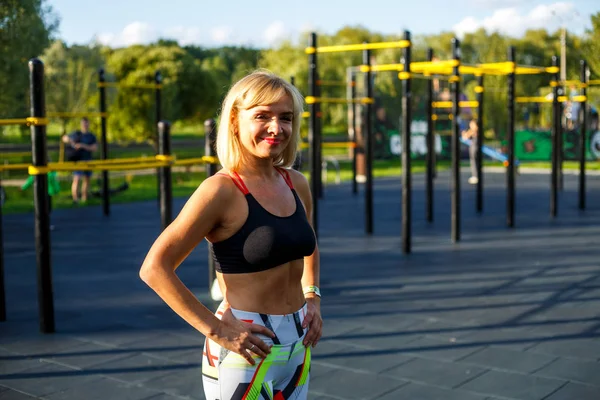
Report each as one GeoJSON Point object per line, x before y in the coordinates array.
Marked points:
{"type": "Point", "coordinates": [158, 118]}
{"type": "Point", "coordinates": [351, 94]}
{"type": "Point", "coordinates": [104, 152]}
{"type": "Point", "coordinates": [560, 141]}
{"type": "Point", "coordinates": [430, 145]}
{"type": "Point", "coordinates": [298, 161]}
{"type": "Point", "coordinates": [166, 191]}
{"type": "Point", "coordinates": [510, 169]}
{"type": "Point", "coordinates": [313, 131]}
{"type": "Point", "coordinates": [367, 129]}
{"type": "Point", "coordinates": [2, 287]}
{"type": "Point", "coordinates": [40, 197]}
{"type": "Point", "coordinates": [555, 134]}
{"type": "Point", "coordinates": [480, 138]}
{"type": "Point", "coordinates": [406, 123]}
{"type": "Point", "coordinates": [582, 136]}
{"type": "Point", "coordinates": [455, 79]}
{"type": "Point", "coordinates": [210, 131]}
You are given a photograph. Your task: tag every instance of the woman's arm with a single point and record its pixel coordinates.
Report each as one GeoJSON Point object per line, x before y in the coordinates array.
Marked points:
{"type": "Point", "coordinates": [201, 214]}
{"type": "Point", "coordinates": [197, 218]}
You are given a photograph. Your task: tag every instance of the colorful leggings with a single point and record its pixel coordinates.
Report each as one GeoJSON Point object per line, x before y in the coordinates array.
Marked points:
{"type": "Point", "coordinates": [283, 375]}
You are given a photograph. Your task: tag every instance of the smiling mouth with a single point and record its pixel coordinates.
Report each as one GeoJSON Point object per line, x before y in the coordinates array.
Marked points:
{"type": "Point", "coordinates": [272, 141]}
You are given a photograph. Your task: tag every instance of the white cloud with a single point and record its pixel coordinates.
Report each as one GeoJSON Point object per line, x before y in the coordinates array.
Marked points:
{"type": "Point", "coordinates": [221, 34]}
{"type": "Point", "coordinates": [512, 22]}
{"type": "Point", "coordinates": [143, 33]}
{"type": "Point", "coordinates": [134, 33]}
{"type": "Point", "coordinates": [184, 35]}
{"type": "Point", "coordinates": [275, 33]}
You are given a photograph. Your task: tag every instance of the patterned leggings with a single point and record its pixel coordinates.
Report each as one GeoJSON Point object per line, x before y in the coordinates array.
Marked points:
{"type": "Point", "coordinates": [282, 375]}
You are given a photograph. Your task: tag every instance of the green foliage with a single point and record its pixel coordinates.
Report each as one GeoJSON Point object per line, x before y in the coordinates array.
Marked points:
{"type": "Point", "coordinates": [195, 79]}
{"type": "Point", "coordinates": [71, 81]}
{"type": "Point", "coordinates": [26, 28]}
{"type": "Point", "coordinates": [133, 110]}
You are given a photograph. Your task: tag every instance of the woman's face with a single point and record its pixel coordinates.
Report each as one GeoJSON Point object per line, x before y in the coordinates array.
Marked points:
{"type": "Point", "coordinates": [265, 130]}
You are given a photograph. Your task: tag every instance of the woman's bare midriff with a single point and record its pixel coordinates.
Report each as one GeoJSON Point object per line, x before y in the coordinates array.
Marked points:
{"type": "Point", "coordinates": [274, 291]}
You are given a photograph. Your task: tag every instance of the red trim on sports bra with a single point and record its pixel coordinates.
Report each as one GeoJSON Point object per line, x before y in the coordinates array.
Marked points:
{"type": "Point", "coordinates": [286, 177]}
{"type": "Point", "coordinates": [237, 180]}
{"type": "Point", "coordinates": [239, 183]}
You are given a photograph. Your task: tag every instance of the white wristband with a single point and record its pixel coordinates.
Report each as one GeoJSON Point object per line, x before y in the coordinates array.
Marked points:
{"type": "Point", "coordinates": [312, 289]}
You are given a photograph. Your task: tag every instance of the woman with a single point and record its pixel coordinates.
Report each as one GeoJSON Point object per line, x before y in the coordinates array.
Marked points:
{"type": "Point", "coordinates": [255, 215]}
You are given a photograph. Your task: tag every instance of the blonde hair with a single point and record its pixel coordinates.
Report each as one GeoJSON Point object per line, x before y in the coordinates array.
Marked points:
{"type": "Point", "coordinates": [259, 88]}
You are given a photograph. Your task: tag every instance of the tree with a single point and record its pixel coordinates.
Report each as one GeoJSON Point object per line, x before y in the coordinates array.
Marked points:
{"type": "Point", "coordinates": [71, 80]}
{"type": "Point", "coordinates": [26, 28]}
{"type": "Point", "coordinates": [187, 91]}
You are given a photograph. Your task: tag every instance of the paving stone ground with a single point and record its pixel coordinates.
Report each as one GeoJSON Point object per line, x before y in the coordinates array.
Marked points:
{"type": "Point", "coordinates": [506, 313]}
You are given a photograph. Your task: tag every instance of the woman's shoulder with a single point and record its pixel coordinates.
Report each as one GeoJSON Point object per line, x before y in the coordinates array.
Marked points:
{"type": "Point", "coordinates": [218, 187]}
{"type": "Point", "coordinates": [298, 179]}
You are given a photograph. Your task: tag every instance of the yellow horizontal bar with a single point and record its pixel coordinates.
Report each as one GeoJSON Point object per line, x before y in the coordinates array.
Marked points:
{"type": "Point", "coordinates": [76, 114]}
{"type": "Point", "coordinates": [420, 66]}
{"type": "Point", "coordinates": [338, 100]}
{"type": "Point", "coordinates": [448, 104]}
{"type": "Point", "coordinates": [496, 65]}
{"type": "Point", "coordinates": [13, 121]}
{"type": "Point", "coordinates": [454, 78]}
{"type": "Point", "coordinates": [529, 71]}
{"type": "Point", "coordinates": [118, 167]}
{"type": "Point", "coordinates": [404, 75]}
{"type": "Point", "coordinates": [594, 82]}
{"type": "Point", "coordinates": [130, 86]}
{"type": "Point", "coordinates": [305, 114]}
{"type": "Point", "coordinates": [360, 46]}
{"type": "Point", "coordinates": [197, 160]}
{"type": "Point", "coordinates": [479, 89]}
{"type": "Point", "coordinates": [161, 157]}
{"type": "Point", "coordinates": [532, 100]}
{"type": "Point", "coordinates": [344, 145]}
{"type": "Point", "coordinates": [25, 121]}
{"type": "Point", "coordinates": [552, 70]}
{"type": "Point", "coordinates": [543, 99]}
{"type": "Point", "coordinates": [470, 70]}
{"type": "Point", "coordinates": [570, 82]}
{"type": "Point", "coordinates": [339, 145]}
{"type": "Point", "coordinates": [13, 167]}
{"type": "Point", "coordinates": [579, 99]}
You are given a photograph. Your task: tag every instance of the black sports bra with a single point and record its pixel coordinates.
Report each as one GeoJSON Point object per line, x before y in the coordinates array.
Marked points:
{"type": "Point", "coordinates": [265, 240]}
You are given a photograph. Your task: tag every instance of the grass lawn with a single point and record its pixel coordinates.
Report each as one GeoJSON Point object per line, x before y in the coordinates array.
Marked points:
{"type": "Point", "coordinates": [144, 187]}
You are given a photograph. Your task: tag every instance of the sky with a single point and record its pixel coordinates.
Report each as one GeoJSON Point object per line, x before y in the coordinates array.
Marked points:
{"type": "Point", "coordinates": [266, 23]}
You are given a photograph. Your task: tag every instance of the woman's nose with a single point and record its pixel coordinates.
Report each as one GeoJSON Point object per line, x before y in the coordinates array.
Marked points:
{"type": "Point", "coordinates": [275, 127]}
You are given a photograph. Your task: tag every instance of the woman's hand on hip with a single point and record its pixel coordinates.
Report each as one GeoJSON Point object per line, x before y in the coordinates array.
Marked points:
{"type": "Point", "coordinates": [239, 337]}
{"type": "Point", "coordinates": [313, 321]}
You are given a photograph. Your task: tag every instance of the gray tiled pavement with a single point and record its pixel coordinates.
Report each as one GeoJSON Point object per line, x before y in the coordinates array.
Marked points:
{"type": "Point", "coordinates": [505, 314]}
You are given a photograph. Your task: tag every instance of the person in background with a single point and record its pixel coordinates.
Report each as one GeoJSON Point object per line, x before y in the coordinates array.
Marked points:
{"type": "Point", "coordinates": [81, 145]}
{"type": "Point", "coordinates": [255, 214]}
{"type": "Point", "coordinates": [472, 134]}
